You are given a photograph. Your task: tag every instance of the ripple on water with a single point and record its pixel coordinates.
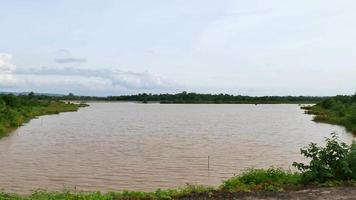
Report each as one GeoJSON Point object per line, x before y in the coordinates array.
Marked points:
{"type": "Point", "coordinates": [116, 146]}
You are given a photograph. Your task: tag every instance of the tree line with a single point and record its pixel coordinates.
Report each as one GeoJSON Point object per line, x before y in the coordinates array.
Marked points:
{"type": "Point", "coordinates": [185, 97]}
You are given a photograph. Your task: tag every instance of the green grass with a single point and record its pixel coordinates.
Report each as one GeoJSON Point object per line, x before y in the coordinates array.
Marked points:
{"type": "Point", "coordinates": [339, 110]}
{"type": "Point", "coordinates": [260, 179]}
{"type": "Point", "coordinates": [67, 195]}
{"type": "Point", "coordinates": [17, 110]}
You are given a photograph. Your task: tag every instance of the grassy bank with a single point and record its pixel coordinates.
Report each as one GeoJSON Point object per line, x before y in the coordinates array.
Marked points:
{"type": "Point", "coordinates": [257, 180]}
{"type": "Point", "coordinates": [339, 110]}
{"type": "Point", "coordinates": [16, 110]}
{"type": "Point", "coordinates": [330, 165]}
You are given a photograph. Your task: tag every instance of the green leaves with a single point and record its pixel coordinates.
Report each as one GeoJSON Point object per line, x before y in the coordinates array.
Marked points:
{"type": "Point", "coordinates": [259, 179]}
{"type": "Point", "coordinates": [16, 110]}
{"type": "Point", "coordinates": [332, 162]}
{"type": "Point", "coordinates": [339, 110]}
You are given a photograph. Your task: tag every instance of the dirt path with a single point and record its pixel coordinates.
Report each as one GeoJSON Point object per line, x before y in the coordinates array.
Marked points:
{"type": "Point", "coordinates": [312, 194]}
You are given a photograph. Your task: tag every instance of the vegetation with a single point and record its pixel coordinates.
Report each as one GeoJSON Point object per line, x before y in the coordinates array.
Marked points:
{"type": "Point", "coordinates": [332, 165]}
{"type": "Point", "coordinates": [158, 194]}
{"type": "Point", "coordinates": [334, 162]}
{"type": "Point", "coordinates": [259, 179]}
{"type": "Point", "coordinates": [340, 110]}
{"type": "Point", "coordinates": [16, 110]}
{"type": "Point", "coordinates": [195, 98]}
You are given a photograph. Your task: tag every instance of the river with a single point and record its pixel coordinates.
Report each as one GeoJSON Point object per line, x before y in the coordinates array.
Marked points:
{"type": "Point", "coordinates": [117, 146]}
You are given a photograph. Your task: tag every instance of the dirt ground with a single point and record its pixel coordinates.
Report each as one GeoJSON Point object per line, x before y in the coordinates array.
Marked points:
{"type": "Point", "coordinates": [312, 194]}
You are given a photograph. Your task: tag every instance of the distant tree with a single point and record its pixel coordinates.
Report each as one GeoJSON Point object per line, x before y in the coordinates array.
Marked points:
{"type": "Point", "coordinates": [31, 94]}
{"type": "Point", "coordinates": [353, 99]}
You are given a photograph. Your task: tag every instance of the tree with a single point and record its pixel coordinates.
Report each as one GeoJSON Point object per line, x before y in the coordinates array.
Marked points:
{"type": "Point", "coordinates": [31, 94]}
{"type": "Point", "coordinates": [332, 162]}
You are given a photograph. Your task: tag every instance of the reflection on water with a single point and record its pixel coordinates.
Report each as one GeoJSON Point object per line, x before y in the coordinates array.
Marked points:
{"type": "Point", "coordinates": [116, 146]}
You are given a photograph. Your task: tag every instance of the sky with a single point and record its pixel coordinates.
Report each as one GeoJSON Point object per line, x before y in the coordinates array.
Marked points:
{"type": "Point", "coordinates": [115, 47]}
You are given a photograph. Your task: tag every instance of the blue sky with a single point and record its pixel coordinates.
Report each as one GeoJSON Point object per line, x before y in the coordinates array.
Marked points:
{"type": "Point", "coordinates": [254, 47]}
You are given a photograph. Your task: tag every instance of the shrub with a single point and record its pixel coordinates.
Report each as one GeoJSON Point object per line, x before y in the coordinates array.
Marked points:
{"type": "Point", "coordinates": [340, 110]}
{"type": "Point", "coordinates": [2, 130]}
{"type": "Point", "coordinates": [351, 160]}
{"type": "Point", "coordinates": [335, 161]}
{"type": "Point", "coordinates": [259, 179]}
{"type": "Point", "coordinates": [16, 110]}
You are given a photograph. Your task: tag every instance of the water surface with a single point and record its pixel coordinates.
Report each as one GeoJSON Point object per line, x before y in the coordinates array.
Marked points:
{"type": "Point", "coordinates": [116, 146]}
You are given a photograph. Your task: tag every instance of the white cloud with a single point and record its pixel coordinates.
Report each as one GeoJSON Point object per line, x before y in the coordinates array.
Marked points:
{"type": "Point", "coordinates": [70, 60]}
{"type": "Point", "coordinates": [7, 78]}
{"type": "Point", "coordinates": [79, 80]}
{"type": "Point", "coordinates": [262, 47]}
{"type": "Point", "coordinates": [89, 81]}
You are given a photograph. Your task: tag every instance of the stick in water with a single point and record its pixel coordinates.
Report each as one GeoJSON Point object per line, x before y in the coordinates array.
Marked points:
{"type": "Point", "coordinates": [208, 162]}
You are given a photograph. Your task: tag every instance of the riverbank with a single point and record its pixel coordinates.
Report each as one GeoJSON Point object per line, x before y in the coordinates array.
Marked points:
{"type": "Point", "coordinates": [266, 189]}
{"type": "Point", "coordinates": [17, 110]}
{"type": "Point", "coordinates": [339, 110]}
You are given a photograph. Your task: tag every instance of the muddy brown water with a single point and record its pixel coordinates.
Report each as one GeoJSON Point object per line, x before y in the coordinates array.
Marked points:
{"type": "Point", "coordinates": [117, 146]}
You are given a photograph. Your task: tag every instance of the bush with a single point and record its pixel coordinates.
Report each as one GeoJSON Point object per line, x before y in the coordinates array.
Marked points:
{"type": "Point", "coordinates": [259, 179]}
{"type": "Point", "coordinates": [334, 162]}
{"type": "Point", "coordinates": [351, 160]}
{"type": "Point", "coordinates": [340, 110]}
{"type": "Point", "coordinates": [16, 110]}
{"type": "Point", "coordinates": [2, 131]}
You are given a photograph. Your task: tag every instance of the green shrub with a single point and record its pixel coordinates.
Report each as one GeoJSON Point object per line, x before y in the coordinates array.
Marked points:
{"type": "Point", "coordinates": [340, 110]}
{"type": "Point", "coordinates": [16, 110]}
{"type": "Point", "coordinates": [67, 195]}
{"type": "Point", "coordinates": [351, 160]}
{"type": "Point", "coordinates": [259, 179]}
{"type": "Point", "coordinates": [2, 130]}
{"type": "Point", "coordinates": [329, 163]}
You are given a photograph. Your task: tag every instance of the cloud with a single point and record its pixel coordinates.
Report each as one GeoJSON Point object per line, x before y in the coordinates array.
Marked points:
{"type": "Point", "coordinates": [90, 81]}
{"type": "Point", "coordinates": [6, 71]}
{"type": "Point", "coordinates": [108, 81]}
{"type": "Point", "coordinates": [70, 60]}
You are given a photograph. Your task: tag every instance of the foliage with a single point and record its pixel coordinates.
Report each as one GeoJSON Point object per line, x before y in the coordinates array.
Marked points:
{"type": "Point", "coordinates": [16, 110]}
{"type": "Point", "coordinates": [259, 179]}
{"type": "Point", "coordinates": [340, 110]}
{"type": "Point", "coordinates": [195, 98]}
{"type": "Point", "coordinates": [351, 160]}
{"type": "Point", "coordinates": [334, 162]}
{"type": "Point", "coordinates": [66, 195]}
